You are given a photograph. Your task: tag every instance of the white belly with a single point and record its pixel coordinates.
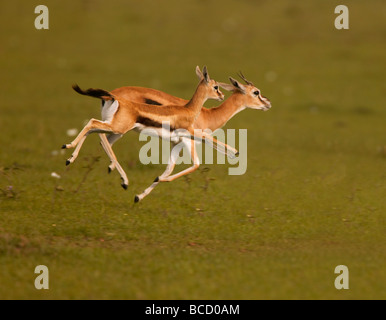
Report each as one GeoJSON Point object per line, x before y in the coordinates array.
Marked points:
{"type": "Point", "coordinates": [161, 132]}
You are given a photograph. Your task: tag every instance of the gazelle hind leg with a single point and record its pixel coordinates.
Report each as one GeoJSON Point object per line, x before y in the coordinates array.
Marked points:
{"type": "Point", "coordinates": [76, 151]}
{"type": "Point", "coordinates": [75, 154]}
{"type": "Point", "coordinates": [92, 126]}
{"type": "Point", "coordinates": [107, 147]}
{"type": "Point", "coordinates": [112, 138]}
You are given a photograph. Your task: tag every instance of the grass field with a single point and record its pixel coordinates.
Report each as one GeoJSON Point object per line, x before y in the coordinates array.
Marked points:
{"type": "Point", "coordinates": [313, 196]}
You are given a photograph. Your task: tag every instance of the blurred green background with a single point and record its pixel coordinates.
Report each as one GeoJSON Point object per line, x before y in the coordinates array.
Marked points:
{"type": "Point", "coordinates": [313, 196]}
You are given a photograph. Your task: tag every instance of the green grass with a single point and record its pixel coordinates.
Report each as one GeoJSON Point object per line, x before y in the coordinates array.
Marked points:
{"type": "Point", "coordinates": [313, 196]}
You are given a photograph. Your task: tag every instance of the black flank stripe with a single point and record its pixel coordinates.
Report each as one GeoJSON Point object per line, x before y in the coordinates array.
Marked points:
{"type": "Point", "coordinates": [149, 122]}
{"type": "Point", "coordinates": [153, 102]}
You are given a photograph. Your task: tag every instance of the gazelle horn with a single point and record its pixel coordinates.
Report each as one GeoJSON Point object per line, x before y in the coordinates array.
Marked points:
{"type": "Point", "coordinates": [240, 74]}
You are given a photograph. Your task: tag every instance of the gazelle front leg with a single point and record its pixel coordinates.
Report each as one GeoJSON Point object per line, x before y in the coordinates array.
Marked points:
{"type": "Point", "coordinates": [166, 177]}
{"type": "Point", "coordinates": [194, 167]}
{"type": "Point", "coordinates": [216, 144]}
{"type": "Point", "coordinates": [221, 146]}
{"type": "Point", "coordinates": [169, 169]}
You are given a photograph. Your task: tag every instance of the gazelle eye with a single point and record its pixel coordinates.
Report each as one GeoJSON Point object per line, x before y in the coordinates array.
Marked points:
{"type": "Point", "coordinates": [215, 87]}
{"type": "Point", "coordinates": [256, 93]}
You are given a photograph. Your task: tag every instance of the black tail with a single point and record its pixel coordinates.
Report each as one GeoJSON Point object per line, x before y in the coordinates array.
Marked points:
{"type": "Point", "coordinates": [96, 93]}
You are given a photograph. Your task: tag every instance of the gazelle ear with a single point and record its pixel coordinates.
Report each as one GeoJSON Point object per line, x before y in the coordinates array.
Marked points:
{"type": "Point", "coordinates": [237, 85]}
{"type": "Point", "coordinates": [199, 73]}
{"type": "Point", "coordinates": [205, 74]}
{"type": "Point", "coordinates": [226, 86]}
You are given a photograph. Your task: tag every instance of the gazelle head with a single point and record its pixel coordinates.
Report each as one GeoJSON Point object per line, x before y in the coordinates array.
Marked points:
{"type": "Point", "coordinates": [211, 86]}
{"type": "Point", "coordinates": [252, 97]}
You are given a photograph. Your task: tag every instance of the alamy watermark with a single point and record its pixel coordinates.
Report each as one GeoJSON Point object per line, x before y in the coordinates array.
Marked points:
{"type": "Point", "coordinates": [341, 21]}
{"type": "Point", "coordinates": [177, 144]}
{"type": "Point", "coordinates": [341, 281]}
{"type": "Point", "coordinates": [42, 20]}
{"type": "Point", "coordinates": [42, 280]}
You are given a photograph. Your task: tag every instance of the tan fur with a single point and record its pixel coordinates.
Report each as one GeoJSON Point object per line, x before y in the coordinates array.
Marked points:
{"type": "Point", "coordinates": [179, 117]}
{"type": "Point", "coordinates": [179, 112]}
{"type": "Point", "coordinates": [243, 97]}
{"type": "Point", "coordinates": [213, 118]}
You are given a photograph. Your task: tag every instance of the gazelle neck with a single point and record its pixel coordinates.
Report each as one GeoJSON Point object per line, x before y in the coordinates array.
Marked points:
{"type": "Point", "coordinates": [198, 99]}
{"type": "Point", "coordinates": [217, 117]}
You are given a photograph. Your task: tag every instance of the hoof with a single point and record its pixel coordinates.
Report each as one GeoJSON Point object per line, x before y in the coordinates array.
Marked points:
{"type": "Point", "coordinates": [109, 170]}
{"type": "Point", "coordinates": [136, 199]}
{"type": "Point", "coordinates": [124, 186]}
{"type": "Point", "coordinates": [68, 162]}
{"type": "Point", "coordinates": [237, 153]}
{"type": "Point", "coordinates": [156, 179]}
{"type": "Point", "coordinates": [64, 146]}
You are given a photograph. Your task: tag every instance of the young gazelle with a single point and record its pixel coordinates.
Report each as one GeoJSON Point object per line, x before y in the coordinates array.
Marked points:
{"type": "Point", "coordinates": [244, 96]}
{"type": "Point", "coordinates": [120, 115]}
